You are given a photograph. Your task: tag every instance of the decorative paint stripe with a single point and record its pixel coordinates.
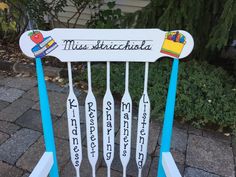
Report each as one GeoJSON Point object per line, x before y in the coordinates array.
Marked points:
{"type": "Point", "coordinates": [170, 53]}
{"type": "Point", "coordinates": [168, 117]}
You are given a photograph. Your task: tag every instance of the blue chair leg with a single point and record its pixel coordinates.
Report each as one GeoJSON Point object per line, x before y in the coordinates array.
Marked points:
{"type": "Point", "coordinates": [169, 117]}
{"type": "Point", "coordinates": [46, 117]}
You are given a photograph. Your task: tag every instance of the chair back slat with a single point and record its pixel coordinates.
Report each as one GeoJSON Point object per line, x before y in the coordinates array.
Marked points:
{"type": "Point", "coordinates": [143, 126]}
{"type": "Point", "coordinates": [91, 124]}
{"type": "Point", "coordinates": [73, 118]}
{"type": "Point", "coordinates": [125, 123]}
{"type": "Point", "coordinates": [108, 125]}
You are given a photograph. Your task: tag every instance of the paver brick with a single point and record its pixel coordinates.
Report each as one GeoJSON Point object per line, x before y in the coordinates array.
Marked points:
{"type": "Point", "coordinates": [15, 146]}
{"type": "Point", "coordinates": [26, 175]}
{"type": "Point", "coordinates": [8, 127]}
{"type": "Point", "coordinates": [77, 92]}
{"type": "Point", "coordinates": [23, 83]}
{"type": "Point", "coordinates": [7, 170]}
{"type": "Point", "coordinates": [10, 94]}
{"type": "Point", "coordinates": [30, 158]}
{"type": "Point", "coordinates": [57, 103]}
{"type": "Point", "coordinates": [193, 172]}
{"type": "Point", "coordinates": [194, 131]}
{"type": "Point", "coordinates": [15, 110]}
{"type": "Point", "coordinates": [102, 172]}
{"type": "Point", "coordinates": [3, 104]}
{"type": "Point", "coordinates": [61, 128]}
{"type": "Point", "coordinates": [53, 87]}
{"type": "Point", "coordinates": [32, 94]}
{"type": "Point", "coordinates": [154, 167]}
{"type": "Point", "coordinates": [85, 168]}
{"type": "Point", "coordinates": [32, 119]}
{"type": "Point", "coordinates": [217, 135]}
{"type": "Point", "coordinates": [3, 137]}
{"type": "Point", "coordinates": [210, 155]}
{"type": "Point", "coordinates": [179, 140]}
{"type": "Point", "coordinates": [132, 168]}
{"type": "Point", "coordinates": [154, 133]}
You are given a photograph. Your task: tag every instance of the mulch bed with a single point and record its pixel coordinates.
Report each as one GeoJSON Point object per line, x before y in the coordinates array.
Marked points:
{"type": "Point", "coordinates": [11, 52]}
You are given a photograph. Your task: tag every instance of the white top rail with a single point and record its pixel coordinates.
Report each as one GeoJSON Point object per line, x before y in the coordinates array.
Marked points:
{"type": "Point", "coordinates": [115, 45]}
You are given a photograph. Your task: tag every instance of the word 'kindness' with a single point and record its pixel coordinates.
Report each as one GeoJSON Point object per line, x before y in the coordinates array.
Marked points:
{"type": "Point", "coordinates": [106, 44]}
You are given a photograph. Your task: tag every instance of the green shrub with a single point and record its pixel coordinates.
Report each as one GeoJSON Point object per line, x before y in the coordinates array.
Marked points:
{"type": "Point", "coordinates": [111, 17]}
{"type": "Point", "coordinates": [205, 96]}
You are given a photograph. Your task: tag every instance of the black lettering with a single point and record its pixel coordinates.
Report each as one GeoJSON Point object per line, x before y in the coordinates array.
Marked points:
{"type": "Point", "coordinates": [108, 155]}
{"type": "Point", "coordinates": [90, 104]}
{"type": "Point", "coordinates": [125, 106]}
{"type": "Point", "coordinates": [76, 149]}
{"type": "Point", "coordinates": [142, 132]}
{"type": "Point", "coordinates": [74, 132]}
{"type": "Point", "coordinates": [92, 129]}
{"type": "Point", "coordinates": [126, 132]}
{"type": "Point", "coordinates": [71, 103]}
{"type": "Point", "coordinates": [109, 147]}
{"type": "Point", "coordinates": [126, 116]}
{"type": "Point", "coordinates": [73, 121]}
{"type": "Point", "coordinates": [92, 145]}
{"type": "Point", "coordinates": [93, 138]}
{"type": "Point", "coordinates": [68, 44]}
{"type": "Point", "coordinates": [109, 105]}
{"type": "Point", "coordinates": [108, 116]}
{"type": "Point", "coordinates": [75, 141]}
{"type": "Point", "coordinates": [141, 140]}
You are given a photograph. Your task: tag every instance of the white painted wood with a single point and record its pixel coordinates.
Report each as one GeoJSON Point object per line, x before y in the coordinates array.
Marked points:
{"type": "Point", "coordinates": [125, 123]}
{"type": "Point", "coordinates": [108, 125]}
{"type": "Point", "coordinates": [138, 45]}
{"type": "Point", "coordinates": [143, 125]}
{"type": "Point", "coordinates": [73, 118]}
{"type": "Point", "coordinates": [91, 124]}
{"type": "Point", "coordinates": [169, 165]}
{"type": "Point", "coordinates": [44, 165]}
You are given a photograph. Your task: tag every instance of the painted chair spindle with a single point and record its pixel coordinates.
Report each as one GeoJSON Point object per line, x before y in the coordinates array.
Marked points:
{"type": "Point", "coordinates": [91, 124]}
{"type": "Point", "coordinates": [125, 123]}
{"type": "Point", "coordinates": [143, 125]}
{"type": "Point", "coordinates": [74, 125]}
{"type": "Point", "coordinates": [108, 45]}
{"type": "Point", "coordinates": [108, 125]}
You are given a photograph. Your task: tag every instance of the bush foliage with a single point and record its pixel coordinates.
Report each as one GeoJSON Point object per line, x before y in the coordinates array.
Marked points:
{"type": "Point", "coordinates": [205, 94]}
{"type": "Point", "coordinates": [212, 23]}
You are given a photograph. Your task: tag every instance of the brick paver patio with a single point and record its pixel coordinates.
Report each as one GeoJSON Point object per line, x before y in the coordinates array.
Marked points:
{"type": "Point", "coordinates": [197, 152]}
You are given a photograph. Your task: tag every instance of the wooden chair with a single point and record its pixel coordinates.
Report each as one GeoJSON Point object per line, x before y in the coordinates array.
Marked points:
{"type": "Point", "coordinates": [107, 45]}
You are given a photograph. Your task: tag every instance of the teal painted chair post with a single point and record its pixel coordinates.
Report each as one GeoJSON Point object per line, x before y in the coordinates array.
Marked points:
{"type": "Point", "coordinates": [46, 117]}
{"type": "Point", "coordinates": [168, 117]}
